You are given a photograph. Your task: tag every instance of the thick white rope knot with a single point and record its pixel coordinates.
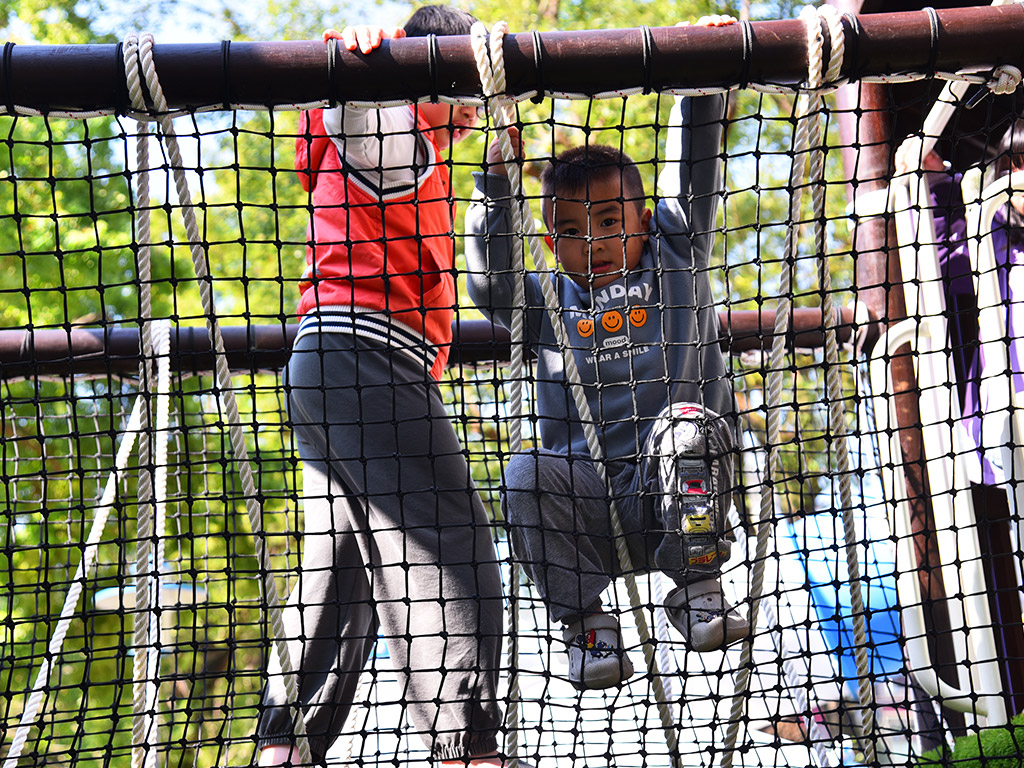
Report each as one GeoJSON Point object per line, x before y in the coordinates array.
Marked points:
{"type": "Point", "coordinates": [1005, 79]}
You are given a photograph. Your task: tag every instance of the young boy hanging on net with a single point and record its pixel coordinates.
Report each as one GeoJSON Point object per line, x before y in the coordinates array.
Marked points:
{"type": "Point", "coordinates": [395, 539]}
{"type": "Point", "coordinates": [637, 309]}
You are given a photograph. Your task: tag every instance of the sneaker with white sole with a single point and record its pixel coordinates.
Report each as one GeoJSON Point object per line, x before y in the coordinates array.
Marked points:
{"type": "Point", "coordinates": [596, 656]}
{"type": "Point", "coordinates": [704, 617]}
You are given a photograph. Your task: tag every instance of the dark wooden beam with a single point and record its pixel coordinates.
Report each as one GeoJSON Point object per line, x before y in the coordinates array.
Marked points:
{"type": "Point", "coordinates": [91, 77]}
{"type": "Point", "coordinates": [115, 351]}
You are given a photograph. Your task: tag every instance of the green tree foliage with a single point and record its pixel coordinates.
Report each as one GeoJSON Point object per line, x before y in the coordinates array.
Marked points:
{"type": "Point", "coordinates": [65, 247]}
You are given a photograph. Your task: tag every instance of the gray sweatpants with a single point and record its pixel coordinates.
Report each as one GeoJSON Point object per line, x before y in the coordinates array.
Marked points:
{"type": "Point", "coordinates": [558, 513]}
{"type": "Point", "coordinates": [395, 541]}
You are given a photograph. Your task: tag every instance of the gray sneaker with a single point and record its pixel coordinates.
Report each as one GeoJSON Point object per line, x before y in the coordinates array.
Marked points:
{"type": "Point", "coordinates": [690, 467]}
{"type": "Point", "coordinates": [596, 656]}
{"type": "Point", "coordinates": [694, 456]}
{"type": "Point", "coordinates": [704, 617]}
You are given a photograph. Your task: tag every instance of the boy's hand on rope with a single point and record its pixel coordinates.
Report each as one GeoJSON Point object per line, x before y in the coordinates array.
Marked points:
{"type": "Point", "coordinates": [495, 160]}
{"type": "Point", "coordinates": [365, 37]}
{"type": "Point", "coordinates": [714, 20]}
{"type": "Point", "coordinates": [909, 153]}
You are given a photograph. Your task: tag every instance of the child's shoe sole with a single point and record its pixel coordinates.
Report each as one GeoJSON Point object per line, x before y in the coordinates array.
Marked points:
{"type": "Point", "coordinates": [703, 617]}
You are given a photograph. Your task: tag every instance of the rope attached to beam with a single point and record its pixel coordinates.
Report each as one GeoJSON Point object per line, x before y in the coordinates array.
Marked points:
{"type": "Point", "coordinates": [808, 136]}
{"type": "Point", "coordinates": [837, 411]}
{"type": "Point", "coordinates": [143, 65]}
{"type": "Point", "coordinates": [492, 78]}
{"type": "Point", "coordinates": [145, 664]}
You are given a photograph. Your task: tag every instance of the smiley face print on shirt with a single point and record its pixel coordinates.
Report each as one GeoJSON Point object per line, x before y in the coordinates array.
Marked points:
{"type": "Point", "coordinates": [616, 334]}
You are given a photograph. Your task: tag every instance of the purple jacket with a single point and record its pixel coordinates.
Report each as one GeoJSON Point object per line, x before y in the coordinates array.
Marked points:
{"type": "Point", "coordinates": [992, 466]}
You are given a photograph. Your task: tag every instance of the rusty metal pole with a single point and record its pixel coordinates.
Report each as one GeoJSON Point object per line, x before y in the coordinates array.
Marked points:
{"type": "Point", "coordinates": [287, 74]}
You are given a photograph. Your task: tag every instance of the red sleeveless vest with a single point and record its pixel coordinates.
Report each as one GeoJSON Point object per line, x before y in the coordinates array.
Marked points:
{"type": "Point", "coordinates": [391, 254]}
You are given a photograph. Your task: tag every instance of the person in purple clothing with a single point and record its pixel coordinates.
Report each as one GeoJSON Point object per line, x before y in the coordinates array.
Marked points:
{"type": "Point", "coordinates": [988, 467]}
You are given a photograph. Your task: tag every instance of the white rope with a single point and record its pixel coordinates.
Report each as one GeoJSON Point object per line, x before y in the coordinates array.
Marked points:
{"type": "Point", "coordinates": [1005, 79]}
{"type": "Point", "coordinates": [492, 76]}
{"type": "Point", "coordinates": [161, 330]}
{"type": "Point", "coordinates": [77, 584]}
{"type": "Point", "coordinates": [151, 523]}
{"type": "Point", "coordinates": [493, 80]}
{"type": "Point", "coordinates": [837, 410]}
{"type": "Point", "coordinates": [808, 135]}
{"type": "Point", "coordinates": [225, 388]}
{"type": "Point", "coordinates": [143, 719]}
{"type": "Point", "coordinates": [834, 388]}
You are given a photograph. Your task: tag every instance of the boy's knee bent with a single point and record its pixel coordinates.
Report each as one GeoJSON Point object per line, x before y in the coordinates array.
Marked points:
{"type": "Point", "coordinates": [533, 481]}
{"type": "Point", "coordinates": [537, 473]}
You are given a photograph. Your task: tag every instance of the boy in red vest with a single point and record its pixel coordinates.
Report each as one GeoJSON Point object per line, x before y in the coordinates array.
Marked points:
{"type": "Point", "coordinates": [396, 541]}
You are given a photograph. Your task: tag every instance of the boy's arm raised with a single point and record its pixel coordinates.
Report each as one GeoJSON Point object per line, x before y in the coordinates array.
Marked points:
{"type": "Point", "coordinates": [489, 246]}
{"type": "Point", "coordinates": [490, 240]}
{"type": "Point", "coordinates": [378, 142]}
{"type": "Point", "coordinates": [692, 172]}
{"type": "Point", "coordinates": [693, 152]}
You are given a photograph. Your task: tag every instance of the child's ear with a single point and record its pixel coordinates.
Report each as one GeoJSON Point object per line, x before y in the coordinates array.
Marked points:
{"type": "Point", "coordinates": [550, 242]}
{"type": "Point", "coordinates": [645, 219]}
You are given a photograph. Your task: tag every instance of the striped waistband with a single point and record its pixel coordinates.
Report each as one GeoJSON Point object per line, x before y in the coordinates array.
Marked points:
{"type": "Point", "coordinates": [370, 324]}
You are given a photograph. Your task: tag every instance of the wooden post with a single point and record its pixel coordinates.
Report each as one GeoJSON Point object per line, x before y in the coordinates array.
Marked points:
{"type": "Point", "coordinates": [880, 286]}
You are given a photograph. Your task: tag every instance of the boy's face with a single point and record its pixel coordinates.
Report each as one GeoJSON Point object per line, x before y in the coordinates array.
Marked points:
{"type": "Point", "coordinates": [597, 242]}
{"type": "Point", "coordinates": [450, 123]}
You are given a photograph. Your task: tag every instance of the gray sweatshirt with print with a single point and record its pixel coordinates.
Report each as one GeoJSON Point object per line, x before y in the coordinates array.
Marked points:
{"type": "Point", "coordinates": [641, 342]}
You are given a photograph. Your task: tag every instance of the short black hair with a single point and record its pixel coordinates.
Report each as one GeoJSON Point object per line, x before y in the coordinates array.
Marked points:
{"type": "Point", "coordinates": [570, 173]}
{"type": "Point", "coordinates": [1011, 148]}
{"type": "Point", "coordinates": [1010, 159]}
{"type": "Point", "coordinates": [438, 20]}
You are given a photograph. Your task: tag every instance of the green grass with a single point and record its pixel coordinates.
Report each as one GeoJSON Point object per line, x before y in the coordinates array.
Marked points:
{"type": "Point", "coordinates": [1001, 747]}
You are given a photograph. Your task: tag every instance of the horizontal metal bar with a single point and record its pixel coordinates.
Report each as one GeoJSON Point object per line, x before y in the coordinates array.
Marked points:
{"type": "Point", "coordinates": [56, 352]}
{"type": "Point", "coordinates": [91, 77]}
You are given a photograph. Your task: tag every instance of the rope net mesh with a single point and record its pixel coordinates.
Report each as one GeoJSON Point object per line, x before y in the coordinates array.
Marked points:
{"type": "Point", "coordinates": [70, 259]}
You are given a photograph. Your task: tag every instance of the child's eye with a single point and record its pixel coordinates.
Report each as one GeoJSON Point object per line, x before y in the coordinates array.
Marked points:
{"type": "Point", "coordinates": [570, 232]}
{"type": "Point", "coordinates": [609, 222]}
